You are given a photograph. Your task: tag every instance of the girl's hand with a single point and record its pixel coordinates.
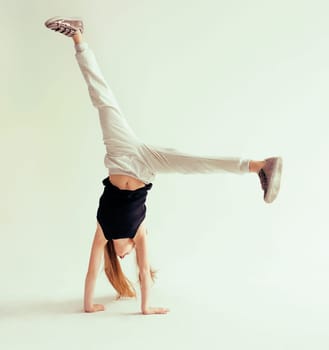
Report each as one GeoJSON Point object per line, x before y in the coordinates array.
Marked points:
{"type": "Point", "coordinates": [155, 310]}
{"type": "Point", "coordinates": [95, 308]}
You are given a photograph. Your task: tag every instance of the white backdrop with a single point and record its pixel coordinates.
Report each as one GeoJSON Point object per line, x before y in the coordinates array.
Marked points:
{"type": "Point", "coordinates": [238, 78]}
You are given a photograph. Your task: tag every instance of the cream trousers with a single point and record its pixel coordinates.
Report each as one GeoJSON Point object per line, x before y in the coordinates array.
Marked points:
{"type": "Point", "coordinates": [125, 153]}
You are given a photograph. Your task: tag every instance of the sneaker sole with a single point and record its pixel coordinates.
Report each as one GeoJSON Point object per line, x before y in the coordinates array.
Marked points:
{"type": "Point", "coordinates": [53, 21]}
{"type": "Point", "coordinates": [275, 181]}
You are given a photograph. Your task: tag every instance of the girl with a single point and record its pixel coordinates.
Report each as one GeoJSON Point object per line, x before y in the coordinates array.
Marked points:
{"type": "Point", "coordinates": [132, 166]}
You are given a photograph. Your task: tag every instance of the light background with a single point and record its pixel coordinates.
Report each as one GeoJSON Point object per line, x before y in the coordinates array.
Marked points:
{"type": "Point", "coordinates": [240, 78]}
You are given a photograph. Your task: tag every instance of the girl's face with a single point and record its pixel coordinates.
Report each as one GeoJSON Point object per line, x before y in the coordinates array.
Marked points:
{"type": "Point", "coordinates": [123, 246]}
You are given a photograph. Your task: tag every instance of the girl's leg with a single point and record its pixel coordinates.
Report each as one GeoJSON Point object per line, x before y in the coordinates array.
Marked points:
{"type": "Point", "coordinates": [168, 160]}
{"type": "Point", "coordinates": [118, 136]}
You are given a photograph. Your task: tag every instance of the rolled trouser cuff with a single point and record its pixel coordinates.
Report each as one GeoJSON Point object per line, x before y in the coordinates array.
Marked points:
{"type": "Point", "coordinates": [81, 47]}
{"type": "Point", "coordinates": [244, 165]}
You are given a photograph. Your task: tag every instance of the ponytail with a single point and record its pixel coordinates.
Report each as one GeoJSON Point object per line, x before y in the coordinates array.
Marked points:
{"type": "Point", "coordinates": [115, 274]}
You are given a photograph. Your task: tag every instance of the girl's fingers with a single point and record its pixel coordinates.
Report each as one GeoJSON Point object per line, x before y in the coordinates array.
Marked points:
{"type": "Point", "coordinates": [156, 310]}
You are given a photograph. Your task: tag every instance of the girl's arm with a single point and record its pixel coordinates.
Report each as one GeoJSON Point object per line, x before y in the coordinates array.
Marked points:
{"type": "Point", "coordinates": [144, 273]}
{"type": "Point", "coordinates": [96, 255]}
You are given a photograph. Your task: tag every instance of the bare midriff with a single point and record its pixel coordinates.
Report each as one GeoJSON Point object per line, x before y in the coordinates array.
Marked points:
{"type": "Point", "coordinates": [126, 182]}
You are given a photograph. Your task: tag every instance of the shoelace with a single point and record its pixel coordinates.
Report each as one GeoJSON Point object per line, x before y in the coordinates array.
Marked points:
{"type": "Point", "coordinates": [263, 179]}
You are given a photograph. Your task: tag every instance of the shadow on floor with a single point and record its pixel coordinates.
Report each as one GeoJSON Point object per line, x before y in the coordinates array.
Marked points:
{"type": "Point", "coordinates": [47, 306]}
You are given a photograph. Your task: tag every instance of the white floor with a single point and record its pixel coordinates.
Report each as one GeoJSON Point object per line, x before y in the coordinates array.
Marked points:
{"type": "Point", "coordinates": [247, 317]}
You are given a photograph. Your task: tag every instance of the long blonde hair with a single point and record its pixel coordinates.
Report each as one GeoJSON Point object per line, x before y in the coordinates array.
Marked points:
{"type": "Point", "coordinates": [115, 275]}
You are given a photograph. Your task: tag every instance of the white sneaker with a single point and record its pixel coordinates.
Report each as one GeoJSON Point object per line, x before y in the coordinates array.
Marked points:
{"type": "Point", "coordinates": [270, 178]}
{"type": "Point", "coordinates": [65, 25]}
